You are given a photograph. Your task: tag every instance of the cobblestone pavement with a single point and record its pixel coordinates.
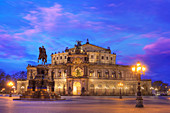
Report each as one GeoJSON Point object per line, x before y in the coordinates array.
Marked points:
{"type": "Point", "coordinates": [86, 104]}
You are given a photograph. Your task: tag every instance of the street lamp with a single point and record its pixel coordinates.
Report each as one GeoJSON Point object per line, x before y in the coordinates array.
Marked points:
{"type": "Point", "coordinates": [10, 84]}
{"type": "Point", "coordinates": [139, 69]}
{"type": "Point", "coordinates": [120, 85]}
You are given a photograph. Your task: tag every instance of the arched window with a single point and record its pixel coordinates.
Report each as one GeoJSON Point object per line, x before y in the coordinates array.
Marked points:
{"type": "Point", "coordinates": [65, 73]}
{"type": "Point", "coordinates": [99, 74]}
{"type": "Point", "coordinates": [120, 74]}
{"type": "Point", "coordinates": [114, 74]}
{"type": "Point", "coordinates": [91, 72]}
{"type": "Point", "coordinates": [107, 73]}
{"type": "Point", "coordinates": [52, 75]}
{"type": "Point", "coordinates": [59, 73]}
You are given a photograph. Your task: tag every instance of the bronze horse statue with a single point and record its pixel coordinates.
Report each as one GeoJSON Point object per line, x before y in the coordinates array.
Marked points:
{"type": "Point", "coordinates": [42, 55]}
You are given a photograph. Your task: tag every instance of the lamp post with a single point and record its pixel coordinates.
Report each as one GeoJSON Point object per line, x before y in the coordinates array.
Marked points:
{"type": "Point", "coordinates": [10, 84]}
{"type": "Point", "coordinates": [120, 85]}
{"type": "Point", "coordinates": [138, 70]}
{"type": "Point", "coordinates": [126, 88]}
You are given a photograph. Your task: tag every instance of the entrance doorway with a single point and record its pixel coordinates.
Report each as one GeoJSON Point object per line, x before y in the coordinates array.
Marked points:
{"type": "Point", "coordinates": [76, 88]}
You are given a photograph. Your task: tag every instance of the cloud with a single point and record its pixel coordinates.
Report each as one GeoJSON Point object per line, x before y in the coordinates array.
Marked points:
{"type": "Point", "coordinates": [151, 35]}
{"type": "Point", "coordinates": [134, 44]}
{"type": "Point", "coordinates": [112, 5]}
{"type": "Point", "coordinates": [92, 8]}
{"type": "Point", "coordinates": [56, 18]}
{"type": "Point", "coordinates": [117, 40]}
{"type": "Point", "coordinates": [160, 47]}
{"type": "Point", "coordinates": [10, 47]}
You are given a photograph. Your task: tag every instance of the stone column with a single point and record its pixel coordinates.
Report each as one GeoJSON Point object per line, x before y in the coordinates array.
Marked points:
{"type": "Point", "coordinates": [85, 71]}
{"type": "Point", "coordinates": [68, 70]}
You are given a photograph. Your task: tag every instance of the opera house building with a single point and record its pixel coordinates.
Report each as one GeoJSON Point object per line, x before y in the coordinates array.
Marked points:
{"type": "Point", "coordinates": [85, 69]}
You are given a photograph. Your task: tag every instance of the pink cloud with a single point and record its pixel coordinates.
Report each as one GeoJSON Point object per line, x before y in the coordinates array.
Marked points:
{"type": "Point", "coordinates": [43, 17]}
{"type": "Point", "coordinates": [161, 46]}
{"type": "Point", "coordinates": [55, 17]}
{"type": "Point", "coordinates": [9, 46]}
{"type": "Point", "coordinates": [113, 27]}
{"type": "Point", "coordinates": [92, 8]}
{"type": "Point", "coordinates": [150, 35]}
{"type": "Point", "coordinates": [112, 5]}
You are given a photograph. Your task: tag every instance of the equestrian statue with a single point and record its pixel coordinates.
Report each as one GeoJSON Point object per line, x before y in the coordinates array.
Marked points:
{"type": "Point", "coordinates": [42, 55]}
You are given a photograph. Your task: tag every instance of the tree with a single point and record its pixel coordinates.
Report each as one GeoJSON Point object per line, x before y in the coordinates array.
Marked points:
{"type": "Point", "coordinates": [2, 78]}
{"type": "Point", "coordinates": [163, 87]}
{"type": "Point", "coordinates": [20, 75]}
{"type": "Point", "coordinates": [157, 84]}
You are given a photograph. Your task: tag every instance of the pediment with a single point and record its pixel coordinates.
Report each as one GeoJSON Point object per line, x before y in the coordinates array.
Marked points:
{"type": "Point", "coordinates": [90, 47]}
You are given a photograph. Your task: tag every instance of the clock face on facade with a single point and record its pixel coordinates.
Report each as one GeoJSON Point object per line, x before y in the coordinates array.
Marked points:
{"type": "Point", "coordinates": [78, 72]}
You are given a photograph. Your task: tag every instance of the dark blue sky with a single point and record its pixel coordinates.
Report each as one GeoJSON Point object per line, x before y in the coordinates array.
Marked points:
{"type": "Point", "coordinates": [134, 29]}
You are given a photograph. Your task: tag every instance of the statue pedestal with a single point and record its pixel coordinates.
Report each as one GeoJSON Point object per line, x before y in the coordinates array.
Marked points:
{"type": "Point", "coordinates": [37, 88]}
{"type": "Point", "coordinates": [40, 95]}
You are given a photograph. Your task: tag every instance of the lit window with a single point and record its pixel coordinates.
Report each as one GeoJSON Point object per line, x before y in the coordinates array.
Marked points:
{"type": "Point", "coordinates": [107, 74]}
{"type": "Point", "coordinates": [99, 74]}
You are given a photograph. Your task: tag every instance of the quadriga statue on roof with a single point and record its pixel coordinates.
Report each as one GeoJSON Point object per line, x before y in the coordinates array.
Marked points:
{"type": "Point", "coordinates": [42, 55]}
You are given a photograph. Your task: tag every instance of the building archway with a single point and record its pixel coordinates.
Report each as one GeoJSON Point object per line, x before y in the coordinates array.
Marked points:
{"type": "Point", "coordinates": [76, 88]}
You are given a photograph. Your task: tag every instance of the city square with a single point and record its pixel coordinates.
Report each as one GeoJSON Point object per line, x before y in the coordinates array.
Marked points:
{"type": "Point", "coordinates": [86, 104]}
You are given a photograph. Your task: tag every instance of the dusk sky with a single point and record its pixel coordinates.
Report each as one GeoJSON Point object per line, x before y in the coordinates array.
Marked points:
{"type": "Point", "coordinates": [133, 29]}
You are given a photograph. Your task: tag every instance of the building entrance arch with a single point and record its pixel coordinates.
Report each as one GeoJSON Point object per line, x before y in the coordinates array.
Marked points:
{"type": "Point", "coordinates": [76, 88]}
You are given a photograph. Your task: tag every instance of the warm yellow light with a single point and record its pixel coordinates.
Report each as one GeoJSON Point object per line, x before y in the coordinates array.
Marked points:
{"type": "Point", "coordinates": [10, 84]}
{"type": "Point", "coordinates": [138, 64]}
{"type": "Point", "coordinates": [133, 69]}
{"type": "Point", "coordinates": [120, 84]}
{"type": "Point", "coordinates": [143, 68]}
{"type": "Point", "coordinates": [138, 68]}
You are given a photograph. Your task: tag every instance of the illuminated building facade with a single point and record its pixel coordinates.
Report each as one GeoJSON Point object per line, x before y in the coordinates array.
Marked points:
{"type": "Point", "coordinates": [87, 70]}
